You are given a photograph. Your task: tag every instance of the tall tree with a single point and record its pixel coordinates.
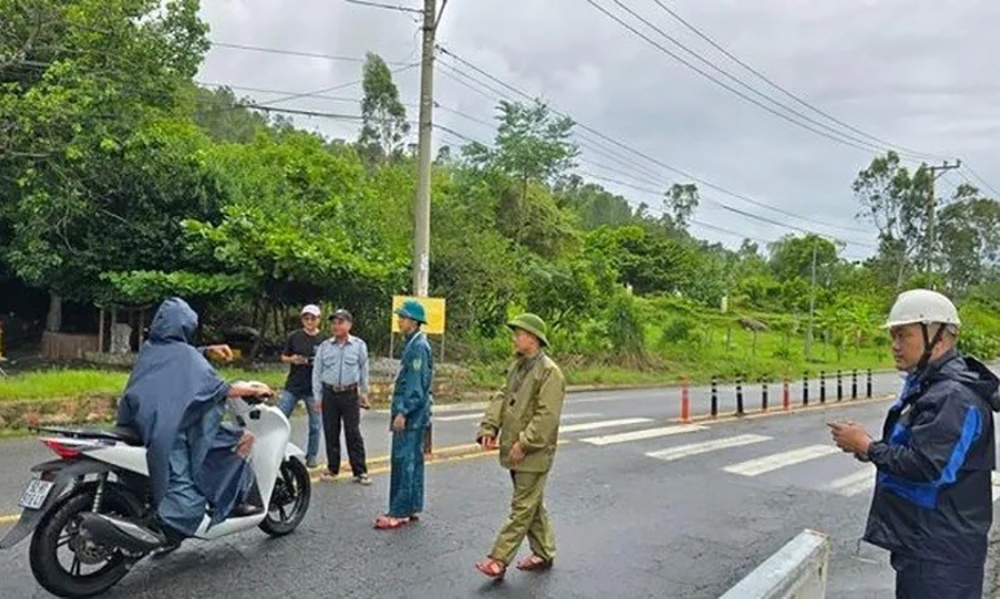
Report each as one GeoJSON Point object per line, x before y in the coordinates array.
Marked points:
{"type": "Point", "coordinates": [90, 79]}
{"type": "Point", "coordinates": [792, 257]}
{"type": "Point", "coordinates": [896, 202]}
{"type": "Point", "coordinates": [221, 114]}
{"type": "Point", "coordinates": [648, 261]}
{"type": "Point", "coordinates": [969, 238]}
{"type": "Point", "coordinates": [681, 201]}
{"type": "Point", "coordinates": [531, 144]}
{"type": "Point", "coordinates": [596, 206]}
{"type": "Point", "coordinates": [383, 116]}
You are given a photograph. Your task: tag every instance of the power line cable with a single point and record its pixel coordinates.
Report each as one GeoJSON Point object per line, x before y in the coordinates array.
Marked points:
{"type": "Point", "coordinates": [844, 139]}
{"type": "Point", "coordinates": [331, 57]}
{"type": "Point", "coordinates": [625, 147]}
{"type": "Point", "coordinates": [329, 89]}
{"type": "Point", "coordinates": [722, 205]}
{"type": "Point", "coordinates": [981, 180]}
{"type": "Point", "coordinates": [794, 97]}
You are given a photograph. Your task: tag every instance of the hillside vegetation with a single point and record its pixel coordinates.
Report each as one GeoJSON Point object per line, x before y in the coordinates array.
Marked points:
{"type": "Point", "coordinates": [122, 181]}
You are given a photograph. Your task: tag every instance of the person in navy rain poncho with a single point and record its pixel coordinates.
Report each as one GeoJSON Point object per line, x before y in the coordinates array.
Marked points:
{"type": "Point", "coordinates": [175, 401]}
{"type": "Point", "coordinates": [411, 414]}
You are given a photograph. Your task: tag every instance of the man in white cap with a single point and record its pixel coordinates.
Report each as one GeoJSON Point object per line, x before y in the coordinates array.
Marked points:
{"type": "Point", "coordinates": [933, 507]}
{"type": "Point", "coordinates": [300, 349]}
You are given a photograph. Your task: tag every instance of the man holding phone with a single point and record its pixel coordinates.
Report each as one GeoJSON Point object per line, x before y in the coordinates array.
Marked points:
{"type": "Point", "coordinates": [300, 349]}
{"type": "Point", "coordinates": [933, 505]}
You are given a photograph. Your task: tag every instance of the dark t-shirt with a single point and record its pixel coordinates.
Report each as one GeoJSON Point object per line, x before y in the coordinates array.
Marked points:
{"type": "Point", "coordinates": [300, 375]}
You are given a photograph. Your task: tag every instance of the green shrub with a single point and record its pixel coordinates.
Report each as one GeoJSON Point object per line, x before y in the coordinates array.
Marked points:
{"type": "Point", "coordinates": [625, 325]}
{"type": "Point", "coordinates": [680, 329]}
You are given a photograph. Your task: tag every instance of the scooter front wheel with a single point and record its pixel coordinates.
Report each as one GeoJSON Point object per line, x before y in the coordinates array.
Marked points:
{"type": "Point", "coordinates": [93, 569]}
{"type": "Point", "coordinates": [289, 500]}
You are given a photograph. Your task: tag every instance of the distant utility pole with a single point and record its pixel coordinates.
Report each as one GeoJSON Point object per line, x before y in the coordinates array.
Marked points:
{"type": "Point", "coordinates": [812, 305]}
{"type": "Point", "coordinates": [931, 205]}
{"type": "Point", "coordinates": [422, 203]}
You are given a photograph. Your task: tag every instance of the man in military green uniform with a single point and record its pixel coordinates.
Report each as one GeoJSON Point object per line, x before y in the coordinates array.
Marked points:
{"type": "Point", "coordinates": [526, 418]}
{"type": "Point", "coordinates": [410, 414]}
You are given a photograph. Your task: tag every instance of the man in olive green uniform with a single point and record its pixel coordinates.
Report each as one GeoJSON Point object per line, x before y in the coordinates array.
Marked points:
{"type": "Point", "coordinates": [526, 418]}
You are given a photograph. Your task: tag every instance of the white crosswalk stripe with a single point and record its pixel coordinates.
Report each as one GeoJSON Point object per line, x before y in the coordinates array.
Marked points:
{"type": "Point", "coordinates": [683, 451]}
{"type": "Point", "coordinates": [852, 484]}
{"type": "Point", "coordinates": [995, 476]}
{"type": "Point", "coordinates": [780, 460]}
{"type": "Point", "coordinates": [589, 426]}
{"type": "Point", "coordinates": [649, 433]}
{"type": "Point", "coordinates": [479, 416]}
{"type": "Point", "coordinates": [458, 417]}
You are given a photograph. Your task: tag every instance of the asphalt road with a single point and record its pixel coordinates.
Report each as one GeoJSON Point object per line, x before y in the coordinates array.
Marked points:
{"type": "Point", "coordinates": [456, 425]}
{"type": "Point", "coordinates": [643, 507]}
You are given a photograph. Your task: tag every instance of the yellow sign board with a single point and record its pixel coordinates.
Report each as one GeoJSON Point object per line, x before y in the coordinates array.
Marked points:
{"type": "Point", "coordinates": [434, 306]}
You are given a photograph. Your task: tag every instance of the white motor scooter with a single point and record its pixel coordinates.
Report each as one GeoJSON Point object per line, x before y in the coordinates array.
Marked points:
{"type": "Point", "coordinates": [89, 505]}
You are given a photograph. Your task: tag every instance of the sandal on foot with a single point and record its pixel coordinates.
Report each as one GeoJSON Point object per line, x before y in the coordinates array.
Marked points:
{"type": "Point", "coordinates": [388, 522]}
{"type": "Point", "coordinates": [492, 568]}
{"type": "Point", "coordinates": [533, 562]}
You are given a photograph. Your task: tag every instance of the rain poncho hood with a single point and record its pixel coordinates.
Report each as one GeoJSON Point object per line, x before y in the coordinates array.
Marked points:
{"type": "Point", "coordinates": [173, 389]}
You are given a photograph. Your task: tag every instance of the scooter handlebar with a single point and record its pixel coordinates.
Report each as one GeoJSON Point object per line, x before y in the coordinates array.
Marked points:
{"type": "Point", "coordinates": [265, 393]}
{"type": "Point", "coordinates": [257, 399]}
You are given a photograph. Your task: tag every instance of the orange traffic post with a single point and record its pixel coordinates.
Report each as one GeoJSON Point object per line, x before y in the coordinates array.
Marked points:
{"type": "Point", "coordinates": [685, 401]}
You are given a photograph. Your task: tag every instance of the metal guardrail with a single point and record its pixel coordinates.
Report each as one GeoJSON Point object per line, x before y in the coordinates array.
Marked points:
{"type": "Point", "coordinates": [797, 571]}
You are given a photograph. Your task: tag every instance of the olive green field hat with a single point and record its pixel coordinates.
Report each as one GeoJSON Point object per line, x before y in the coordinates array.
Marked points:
{"type": "Point", "coordinates": [530, 323]}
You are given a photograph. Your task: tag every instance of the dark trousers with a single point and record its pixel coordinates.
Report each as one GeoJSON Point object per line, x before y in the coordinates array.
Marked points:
{"type": "Point", "coordinates": [406, 477]}
{"type": "Point", "coordinates": [344, 406]}
{"type": "Point", "coordinates": [923, 579]}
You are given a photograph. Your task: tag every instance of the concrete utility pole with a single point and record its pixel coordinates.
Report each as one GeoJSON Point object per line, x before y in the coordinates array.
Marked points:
{"type": "Point", "coordinates": [422, 203]}
{"type": "Point", "coordinates": [812, 305]}
{"type": "Point", "coordinates": [931, 206]}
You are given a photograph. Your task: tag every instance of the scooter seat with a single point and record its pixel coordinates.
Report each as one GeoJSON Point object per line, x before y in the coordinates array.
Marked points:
{"type": "Point", "coordinates": [119, 433]}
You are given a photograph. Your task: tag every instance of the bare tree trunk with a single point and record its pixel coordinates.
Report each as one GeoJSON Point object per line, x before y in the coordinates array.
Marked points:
{"type": "Point", "coordinates": [259, 322]}
{"type": "Point", "coordinates": [899, 275]}
{"type": "Point", "coordinates": [53, 322]}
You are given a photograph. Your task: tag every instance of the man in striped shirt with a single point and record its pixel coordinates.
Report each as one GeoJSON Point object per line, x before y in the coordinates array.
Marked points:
{"type": "Point", "coordinates": [340, 382]}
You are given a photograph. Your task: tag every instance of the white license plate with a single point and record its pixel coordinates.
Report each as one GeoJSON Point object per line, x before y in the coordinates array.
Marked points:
{"type": "Point", "coordinates": [35, 493]}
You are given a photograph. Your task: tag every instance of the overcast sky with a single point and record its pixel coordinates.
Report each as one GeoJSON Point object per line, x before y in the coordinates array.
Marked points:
{"type": "Point", "coordinates": [924, 76]}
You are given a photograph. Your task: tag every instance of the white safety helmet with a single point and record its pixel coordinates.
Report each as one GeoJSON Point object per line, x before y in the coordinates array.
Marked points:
{"type": "Point", "coordinates": [922, 306]}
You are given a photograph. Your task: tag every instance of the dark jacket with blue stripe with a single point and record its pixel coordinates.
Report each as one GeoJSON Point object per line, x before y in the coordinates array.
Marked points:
{"type": "Point", "coordinates": [933, 497]}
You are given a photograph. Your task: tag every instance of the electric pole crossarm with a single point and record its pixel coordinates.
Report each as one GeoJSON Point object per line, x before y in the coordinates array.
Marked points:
{"type": "Point", "coordinates": [936, 171]}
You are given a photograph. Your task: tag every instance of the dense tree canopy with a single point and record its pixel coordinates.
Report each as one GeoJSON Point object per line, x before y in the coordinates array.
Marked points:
{"type": "Point", "coordinates": [122, 181]}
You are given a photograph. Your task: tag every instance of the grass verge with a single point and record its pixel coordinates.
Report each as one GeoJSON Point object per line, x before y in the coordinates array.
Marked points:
{"type": "Point", "coordinates": [78, 383]}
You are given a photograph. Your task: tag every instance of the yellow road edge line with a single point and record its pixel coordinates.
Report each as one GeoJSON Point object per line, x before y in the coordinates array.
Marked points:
{"type": "Point", "coordinates": [454, 453]}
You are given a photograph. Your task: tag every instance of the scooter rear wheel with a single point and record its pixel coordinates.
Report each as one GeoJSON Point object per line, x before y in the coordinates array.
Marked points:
{"type": "Point", "coordinates": [289, 500]}
{"type": "Point", "coordinates": [58, 530]}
